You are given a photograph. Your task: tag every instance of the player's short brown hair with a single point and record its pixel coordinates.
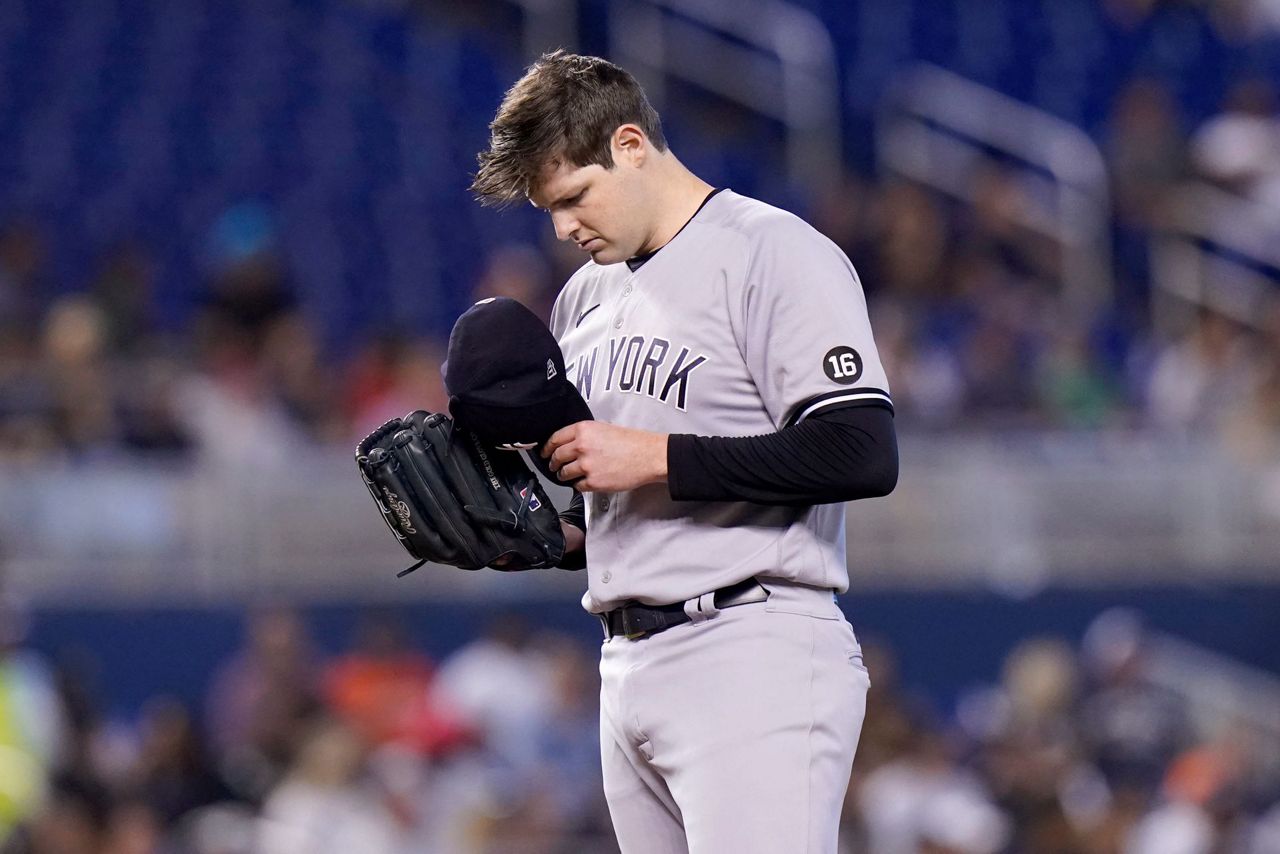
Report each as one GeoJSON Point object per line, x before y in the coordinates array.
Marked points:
{"type": "Point", "coordinates": [565, 108]}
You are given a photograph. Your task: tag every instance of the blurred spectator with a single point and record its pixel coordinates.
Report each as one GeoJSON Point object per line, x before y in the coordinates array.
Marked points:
{"type": "Point", "coordinates": [1205, 801]}
{"type": "Point", "coordinates": [503, 685]}
{"type": "Point", "coordinates": [569, 744]}
{"type": "Point", "coordinates": [846, 211]}
{"type": "Point", "coordinates": [392, 375]}
{"type": "Point", "coordinates": [1073, 388]}
{"type": "Point", "coordinates": [76, 369]}
{"type": "Point", "coordinates": [1266, 833]}
{"type": "Point", "coordinates": [1252, 425]}
{"type": "Point", "coordinates": [999, 228]}
{"type": "Point", "coordinates": [26, 287]}
{"type": "Point", "coordinates": [327, 801]}
{"type": "Point", "coordinates": [999, 339]}
{"type": "Point", "coordinates": [123, 289]}
{"type": "Point", "coordinates": [133, 828]}
{"type": "Point", "coordinates": [1146, 152]}
{"type": "Point", "coordinates": [25, 398]}
{"type": "Point", "coordinates": [149, 416]}
{"type": "Point", "coordinates": [556, 799]}
{"type": "Point", "coordinates": [922, 801]}
{"type": "Point", "coordinates": [96, 749]}
{"type": "Point", "coordinates": [1201, 378]}
{"type": "Point", "coordinates": [1206, 789]}
{"type": "Point", "coordinates": [235, 412]}
{"type": "Point", "coordinates": [960, 820]}
{"type": "Point", "coordinates": [225, 828]}
{"type": "Point", "coordinates": [1173, 828]}
{"type": "Point", "coordinates": [925, 375]}
{"type": "Point", "coordinates": [73, 820]}
{"type": "Point", "coordinates": [1030, 752]}
{"type": "Point", "coordinates": [230, 409]}
{"type": "Point", "coordinates": [250, 288]}
{"type": "Point", "coordinates": [303, 383]}
{"type": "Point", "coordinates": [1240, 149]}
{"type": "Point", "coordinates": [173, 773]}
{"type": "Point", "coordinates": [259, 700]}
{"type": "Point", "coordinates": [521, 272]}
{"type": "Point", "coordinates": [1132, 728]}
{"type": "Point", "coordinates": [912, 239]}
{"type": "Point", "coordinates": [1146, 157]}
{"type": "Point", "coordinates": [32, 723]}
{"type": "Point", "coordinates": [383, 690]}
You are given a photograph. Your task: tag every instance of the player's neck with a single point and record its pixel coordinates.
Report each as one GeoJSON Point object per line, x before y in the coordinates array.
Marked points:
{"type": "Point", "coordinates": [680, 195]}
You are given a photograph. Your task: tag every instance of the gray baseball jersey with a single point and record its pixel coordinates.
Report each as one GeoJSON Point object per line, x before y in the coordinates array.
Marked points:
{"type": "Point", "coordinates": [748, 321]}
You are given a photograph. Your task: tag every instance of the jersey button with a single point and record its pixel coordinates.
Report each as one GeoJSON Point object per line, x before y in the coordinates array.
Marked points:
{"type": "Point", "coordinates": [617, 323]}
{"type": "Point", "coordinates": [604, 504]}
{"type": "Point", "coordinates": [626, 292]}
{"type": "Point", "coordinates": [606, 577]}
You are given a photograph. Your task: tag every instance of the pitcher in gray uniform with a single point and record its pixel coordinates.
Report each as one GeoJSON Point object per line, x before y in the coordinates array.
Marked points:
{"type": "Point", "coordinates": [725, 350]}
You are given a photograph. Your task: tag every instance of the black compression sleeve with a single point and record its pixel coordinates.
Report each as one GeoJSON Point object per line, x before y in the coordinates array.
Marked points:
{"type": "Point", "coordinates": [838, 454]}
{"type": "Point", "coordinates": [575, 515]}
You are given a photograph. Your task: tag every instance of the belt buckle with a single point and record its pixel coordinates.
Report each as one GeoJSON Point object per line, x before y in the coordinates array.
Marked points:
{"type": "Point", "coordinates": [629, 631]}
{"type": "Point", "coordinates": [623, 633]}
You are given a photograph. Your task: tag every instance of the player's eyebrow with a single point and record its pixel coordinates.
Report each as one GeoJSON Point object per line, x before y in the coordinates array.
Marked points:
{"type": "Point", "coordinates": [566, 196]}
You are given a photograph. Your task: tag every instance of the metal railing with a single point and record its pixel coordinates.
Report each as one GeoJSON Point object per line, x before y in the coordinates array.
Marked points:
{"type": "Point", "coordinates": [938, 128]}
{"type": "Point", "coordinates": [769, 56]}
{"type": "Point", "coordinates": [1219, 251]}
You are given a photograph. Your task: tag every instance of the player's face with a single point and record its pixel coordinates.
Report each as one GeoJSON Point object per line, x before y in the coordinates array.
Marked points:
{"type": "Point", "coordinates": [599, 209]}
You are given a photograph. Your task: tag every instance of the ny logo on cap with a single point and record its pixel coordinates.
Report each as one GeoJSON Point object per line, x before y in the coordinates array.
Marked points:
{"type": "Point", "coordinates": [551, 369]}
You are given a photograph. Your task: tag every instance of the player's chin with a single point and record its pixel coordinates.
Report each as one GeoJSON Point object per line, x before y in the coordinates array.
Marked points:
{"type": "Point", "coordinates": [606, 255]}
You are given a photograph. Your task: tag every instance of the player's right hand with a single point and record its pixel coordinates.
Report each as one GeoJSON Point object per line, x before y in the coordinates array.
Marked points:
{"type": "Point", "coordinates": [605, 457]}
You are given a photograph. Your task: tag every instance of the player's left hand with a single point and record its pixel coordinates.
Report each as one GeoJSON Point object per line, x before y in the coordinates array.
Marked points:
{"type": "Point", "coordinates": [605, 457]}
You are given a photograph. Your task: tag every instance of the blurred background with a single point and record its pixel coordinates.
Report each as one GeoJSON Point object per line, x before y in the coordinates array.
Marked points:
{"type": "Point", "coordinates": [234, 235]}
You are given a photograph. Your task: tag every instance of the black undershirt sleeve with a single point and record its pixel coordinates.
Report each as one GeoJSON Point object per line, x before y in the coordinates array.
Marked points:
{"type": "Point", "coordinates": [576, 515]}
{"type": "Point", "coordinates": [837, 454]}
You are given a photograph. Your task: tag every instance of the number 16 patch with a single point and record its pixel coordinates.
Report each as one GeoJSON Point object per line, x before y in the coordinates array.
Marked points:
{"type": "Point", "coordinates": [842, 365]}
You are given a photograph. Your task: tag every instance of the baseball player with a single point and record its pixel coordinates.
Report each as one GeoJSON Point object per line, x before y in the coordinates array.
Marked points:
{"type": "Point", "coordinates": [725, 350]}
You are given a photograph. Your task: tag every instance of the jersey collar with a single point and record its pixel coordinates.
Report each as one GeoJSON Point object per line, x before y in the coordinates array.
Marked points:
{"type": "Point", "coordinates": [640, 260]}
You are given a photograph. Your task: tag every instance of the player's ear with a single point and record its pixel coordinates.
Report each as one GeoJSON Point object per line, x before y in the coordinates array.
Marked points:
{"type": "Point", "coordinates": [629, 145]}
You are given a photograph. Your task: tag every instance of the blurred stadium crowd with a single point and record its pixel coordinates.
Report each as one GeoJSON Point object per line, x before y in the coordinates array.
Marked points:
{"type": "Point", "coordinates": [261, 332]}
{"type": "Point", "coordinates": [494, 750]}
{"type": "Point", "coordinates": [964, 305]}
{"type": "Point", "coordinates": [137, 318]}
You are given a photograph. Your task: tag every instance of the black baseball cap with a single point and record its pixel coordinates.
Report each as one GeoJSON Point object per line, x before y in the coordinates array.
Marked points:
{"type": "Point", "coordinates": [505, 376]}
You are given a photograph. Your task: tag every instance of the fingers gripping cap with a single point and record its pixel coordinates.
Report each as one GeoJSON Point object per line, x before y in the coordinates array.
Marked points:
{"type": "Point", "coordinates": [505, 376]}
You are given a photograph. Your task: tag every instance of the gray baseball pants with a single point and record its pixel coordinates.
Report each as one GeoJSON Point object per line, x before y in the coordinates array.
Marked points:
{"type": "Point", "coordinates": [734, 733]}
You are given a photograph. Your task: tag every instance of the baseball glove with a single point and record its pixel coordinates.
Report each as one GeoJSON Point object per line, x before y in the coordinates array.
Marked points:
{"type": "Point", "coordinates": [451, 500]}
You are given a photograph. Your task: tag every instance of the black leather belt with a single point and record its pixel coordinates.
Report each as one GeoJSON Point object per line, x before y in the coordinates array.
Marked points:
{"type": "Point", "coordinates": [635, 620]}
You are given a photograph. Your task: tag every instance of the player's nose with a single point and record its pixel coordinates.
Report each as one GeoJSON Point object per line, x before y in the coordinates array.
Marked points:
{"type": "Point", "coordinates": [565, 224]}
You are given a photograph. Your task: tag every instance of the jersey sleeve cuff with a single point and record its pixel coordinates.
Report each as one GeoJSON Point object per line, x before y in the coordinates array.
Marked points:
{"type": "Point", "coordinates": [865, 396]}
